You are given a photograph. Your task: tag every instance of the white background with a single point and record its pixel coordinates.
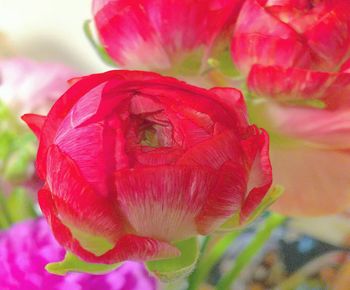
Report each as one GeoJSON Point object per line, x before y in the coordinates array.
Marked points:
{"type": "Point", "coordinates": [50, 30]}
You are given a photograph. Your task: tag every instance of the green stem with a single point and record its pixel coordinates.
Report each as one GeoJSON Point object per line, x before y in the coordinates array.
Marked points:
{"type": "Point", "coordinates": [209, 259]}
{"type": "Point", "coordinates": [193, 282]}
{"type": "Point", "coordinates": [244, 258]}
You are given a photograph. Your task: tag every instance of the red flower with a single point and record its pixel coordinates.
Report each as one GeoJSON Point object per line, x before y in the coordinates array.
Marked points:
{"type": "Point", "coordinates": [134, 161]}
{"type": "Point", "coordinates": [176, 36]}
{"type": "Point", "coordinates": [295, 54]}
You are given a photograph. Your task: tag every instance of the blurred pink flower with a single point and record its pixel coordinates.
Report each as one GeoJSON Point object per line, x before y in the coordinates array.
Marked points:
{"type": "Point", "coordinates": [27, 247]}
{"type": "Point", "coordinates": [31, 86]}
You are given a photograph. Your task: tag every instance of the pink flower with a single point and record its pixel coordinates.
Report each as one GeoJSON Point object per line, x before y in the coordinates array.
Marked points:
{"type": "Point", "coordinates": [134, 161]}
{"type": "Point", "coordinates": [27, 247]}
{"type": "Point", "coordinates": [30, 86]}
{"type": "Point", "coordinates": [296, 55]}
{"type": "Point", "coordinates": [176, 36]}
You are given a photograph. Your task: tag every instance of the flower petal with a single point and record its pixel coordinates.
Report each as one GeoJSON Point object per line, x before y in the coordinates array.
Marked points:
{"type": "Point", "coordinates": [128, 247]}
{"type": "Point", "coordinates": [35, 123]}
{"type": "Point", "coordinates": [260, 176]}
{"type": "Point", "coordinates": [316, 180]}
{"type": "Point", "coordinates": [76, 201]}
{"type": "Point", "coordinates": [169, 196]}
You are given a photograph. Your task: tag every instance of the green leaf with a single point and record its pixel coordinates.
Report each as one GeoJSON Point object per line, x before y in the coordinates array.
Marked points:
{"type": "Point", "coordinates": [98, 48]}
{"type": "Point", "coordinates": [72, 263]}
{"type": "Point", "coordinates": [243, 259]}
{"type": "Point", "coordinates": [168, 270]}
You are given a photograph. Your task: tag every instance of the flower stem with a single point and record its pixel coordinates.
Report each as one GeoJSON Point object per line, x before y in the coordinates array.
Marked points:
{"type": "Point", "coordinates": [210, 258]}
{"type": "Point", "coordinates": [244, 258]}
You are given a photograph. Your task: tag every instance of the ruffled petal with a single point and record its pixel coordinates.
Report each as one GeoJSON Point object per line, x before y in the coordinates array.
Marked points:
{"type": "Point", "coordinates": [260, 176]}
{"type": "Point", "coordinates": [233, 101]}
{"type": "Point", "coordinates": [289, 83]}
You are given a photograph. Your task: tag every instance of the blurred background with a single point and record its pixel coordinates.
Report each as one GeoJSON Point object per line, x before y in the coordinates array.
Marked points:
{"type": "Point", "coordinates": [50, 30]}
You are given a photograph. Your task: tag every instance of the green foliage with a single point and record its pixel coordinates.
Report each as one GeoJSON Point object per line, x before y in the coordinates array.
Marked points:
{"type": "Point", "coordinates": [72, 263]}
{"type": "Point", "coordinates": [168, 270]}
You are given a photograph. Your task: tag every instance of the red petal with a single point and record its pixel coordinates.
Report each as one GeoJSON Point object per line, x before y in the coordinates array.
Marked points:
{"type": "Point", "coordinates": [76, 201]}
{"type": "Point", "coordinates": [330, 53]}
{"type": "Point", "coordinates": [291, 83]}
{"type": "Point", "coordinates": [224, 199]}
{"type": "Point", "coordinates": [260, 176]}
{"type": "Point", "coordinates": [233, 101]}
{"type": "Point", "coordinates": [60, 110]}
{"type": "Point", "coordinates": [224, 154]}
{"type": "Point", "coordinates": [128, 247]}
{"type": "Point", "coordinates": [35, 123]}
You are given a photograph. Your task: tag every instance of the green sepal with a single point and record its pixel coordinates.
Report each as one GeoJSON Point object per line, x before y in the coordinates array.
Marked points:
{"type": "Point", "coordinates": [168, 270]}
{"type": "Point", "coordinates": [235, 222]}
{"type": "Point", "coordinates": [273, 194]}
{"type": "Point", "coordinates": [72, 263]}
{"type": "Point", "coordinates": [98, 47]}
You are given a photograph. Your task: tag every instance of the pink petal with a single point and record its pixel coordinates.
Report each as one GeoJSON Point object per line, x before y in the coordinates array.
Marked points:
{"type": "Point", "coordinates": [60, 110]}
{"type": "Point", "coordinates": [329, 128]}
{"type": "Point", "coordinates": [254, 48]}
{"type": "Point", "coordinates": [316, 180]}
{"type": "Point", "coordinates": [330, 53]}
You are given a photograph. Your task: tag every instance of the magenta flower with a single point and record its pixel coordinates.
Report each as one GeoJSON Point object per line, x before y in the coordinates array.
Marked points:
{"type": "Point", "coordinates": [27, 247]}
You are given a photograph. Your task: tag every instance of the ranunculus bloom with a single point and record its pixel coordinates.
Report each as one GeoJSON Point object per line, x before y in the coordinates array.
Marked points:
{"type": "Point", "coordinates": [31, 86]}
{"type": "Point", "coordinates": [169, 36]}
{"type": "Point", "coordinates": [295, 55]}
{"type": "Point", "coordinates": [134, 161]}
{"type": "Point", "coordinates": [27, 247]}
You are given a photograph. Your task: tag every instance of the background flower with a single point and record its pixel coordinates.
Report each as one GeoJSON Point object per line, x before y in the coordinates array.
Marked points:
{"type": "Point", "coordinates": [295, 55]}
{"type": "Point", "coordinates": [27, 247]}
{"type": "Point", "coordinates": [169, 36]}
{"type": "Point", "coordinates": [30, 86]}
